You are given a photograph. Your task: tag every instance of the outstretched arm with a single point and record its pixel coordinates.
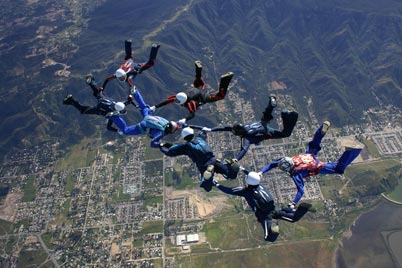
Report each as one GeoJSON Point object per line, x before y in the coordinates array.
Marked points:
{"type": "Point", "coordinates": [107, 81]}
{"type": "Point", "coordinates": [237, 191]}
{"type": "Point", "coordinates": [109, 126]}
{"type": "Point", "coordinates": [270, 166]}
{"type": "Point", "coordinates": [175, 150]}
{"type": "Point", "coordinates": [156, 139]}
{"type": "Point", "coordinates": [245, 144]}
{"type": "Point", "coordinates": [169, 100]}
{"type": "Point", "coordinates": [299, 181]}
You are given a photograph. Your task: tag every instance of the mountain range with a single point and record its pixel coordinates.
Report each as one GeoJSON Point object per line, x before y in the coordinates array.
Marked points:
{"type": "Point", "coordinates": [345, 55]}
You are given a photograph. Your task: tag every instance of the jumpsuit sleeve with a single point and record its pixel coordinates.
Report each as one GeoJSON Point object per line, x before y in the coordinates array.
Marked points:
{"type": "Point", "coordinates": [107, 80]}
{"type": "Point", "coordinates": [156, 139]}
{"type": "Point", "coordinates": [270, 166]}
{"type": "Point", "coordinates": [175, 150]}
{"type": "Point", "coordinates": [226, 128]}
{"type": "Point", "coordinates": [109, 126]}
{"type": "Point", "coordinates": [191, 107]}
{"type": "Point", "coordinates": [237, 191]}
{"type": "Point", "coordinates": [169, 100]}
{"type": "Point", "coordinates": [245, 144]}
{"type": "Point", "coordinates": [299, 181]}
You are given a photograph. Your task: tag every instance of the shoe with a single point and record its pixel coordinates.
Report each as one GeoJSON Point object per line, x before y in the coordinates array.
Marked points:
{"type": "Point", "coordinates": [272, 101]}
{"type": "Point", "coordinates": [89, 79]}
{"type": "Point", "coordinates": [275, 228]}
{"type": "Point", "coordinates": [198, 68]}
{"type": "Point", "coordinates": [68, 100]}
{"type": "Point", "coordinates": [325, 127]}
{"type": "Point", "coordinates": [225, 80]}
{"type": "Point", "coordinates": [307, 206]}
{"type": "Point", "coordinates": [209, 172]}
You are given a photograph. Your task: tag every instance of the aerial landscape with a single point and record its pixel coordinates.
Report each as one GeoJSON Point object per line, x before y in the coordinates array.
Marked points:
{"type": "Point", "coordinates": [75, 194]}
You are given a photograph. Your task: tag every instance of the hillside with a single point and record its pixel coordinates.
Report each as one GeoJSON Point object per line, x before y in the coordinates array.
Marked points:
{"type": "Point", "coordinates": [345, 55]}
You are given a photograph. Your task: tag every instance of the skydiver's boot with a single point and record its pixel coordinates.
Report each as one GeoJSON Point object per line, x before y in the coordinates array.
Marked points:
{"type": "Point", "coordinates": [309, 207]}
{"type": "Point", "coordinates": [198, 69]}
{"type": "Point", "coordinates": [68, 100]}
{"type": "Point", "coordinates": [267, 114]}
{"type": "Point", "coordinates": [154, 51]}
{"type": "Point", "coordinates": [128, 49]}
{"type": "Point", "coordinates": [225, 81]}
{"type": "Point", "coordinates": [209, 172]}
{"type": "Point", "coordinates": [289, 120]}
{"type": "Point", "coordinates": [89, 79]}
{"type": "Point", "coordinates": [325, 127]}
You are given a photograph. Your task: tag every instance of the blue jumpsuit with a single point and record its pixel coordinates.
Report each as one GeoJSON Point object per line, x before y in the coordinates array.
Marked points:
{"type": "Point", "coordinates": [201, 154]}
{"type": "Point", "coordinates": [313, 148]}
{"type": "Point", "coordinates": [153, 126]}
{"type": "Point", "coordinates": [264, 211]}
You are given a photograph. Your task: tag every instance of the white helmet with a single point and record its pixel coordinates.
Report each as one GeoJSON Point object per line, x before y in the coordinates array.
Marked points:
{"type": "Point", "coordinates": [181, 98]}
{"type": "Point", "coordinates": [119, 106]}
{"type": "Point", "coordinates": [253, 178]}
{"type": "Point", "coordinates": [187, 131]}
{"type": "Point", "coordinates": [121, 75]}
{"type": "Point", "coordinates": [285, 164]}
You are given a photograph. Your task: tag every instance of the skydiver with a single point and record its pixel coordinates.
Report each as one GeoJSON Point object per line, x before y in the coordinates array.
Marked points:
{"type": "Point", "coordinates": [304, 165]}
{"type": "Point", "coordinates": [262, 203]}
{"type": "Point", "coordinates": [256, 132]}
{"type": "Point", "coordinates": [196, 95]}
{"type": "Point", "coordinates": [129, 69]}
{"type": "Point", "coordinates": [104, 107]}
{"type": "Point", "coordinates": [154, 126]}
{"type": "Point", "coordinates": [197, 149]}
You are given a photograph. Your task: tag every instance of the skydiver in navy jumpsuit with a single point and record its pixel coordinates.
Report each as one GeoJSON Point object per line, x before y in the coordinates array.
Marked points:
{"type": "Point", "coordinates": [262, 203]}
{"type": "Point", "coordinates": [256, 132]}
{"type": "Point", "coordinates": [104, 106]}
{"type": "Point", "coordinates": [197, 149]}
{"type": "Point", "coordinates": [305, 165]}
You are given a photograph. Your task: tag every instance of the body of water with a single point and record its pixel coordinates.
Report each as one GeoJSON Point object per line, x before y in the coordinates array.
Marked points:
{"type": "Point", "coordinates": [376, 239]}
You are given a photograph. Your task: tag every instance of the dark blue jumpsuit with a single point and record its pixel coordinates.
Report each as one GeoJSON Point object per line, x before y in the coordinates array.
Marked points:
{"type": "Point", "coordinates": [264, 212]}
{"type": "Point", "coordinates": [201, 154]}
{"type": "Point", "coordinates": [259, 131]}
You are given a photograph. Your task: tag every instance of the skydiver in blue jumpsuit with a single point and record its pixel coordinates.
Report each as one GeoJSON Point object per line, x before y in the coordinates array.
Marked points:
{"type": "Point", "coordinates": [202, 155]}
{"type": "Point", "coordinates": [262, 203]}
{"type": "Point", "coordinates": [154, 126]}
{"type": "Point", "coordinates": [256, 132]}
{"type": "Point", "coordinates": [305, 165]}
{"type": "Point", "coordinates": [104, 106]}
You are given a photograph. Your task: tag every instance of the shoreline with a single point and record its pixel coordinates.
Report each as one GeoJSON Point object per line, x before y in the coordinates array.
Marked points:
{"type": "Point", "coordinates": [390, 200]}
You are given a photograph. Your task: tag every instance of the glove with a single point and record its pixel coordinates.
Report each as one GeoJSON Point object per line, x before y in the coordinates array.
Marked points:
{"type": "Point", "coordinates": [166, 144]}
{"type": "Point", "coordinates": [101, 89]}
{"type": "Point", "coordinates": [133, 90]}
{"type": "Point", "coordinates": [152, 108]}
{"type": "Point", "coordinates": [214, 182]}
{"type": "Point", "coordinates": [181, 122]}
{"type": "Point", "coordinates": [206, 129]}
{"type": "Point", "coordinates": [291, 205]}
